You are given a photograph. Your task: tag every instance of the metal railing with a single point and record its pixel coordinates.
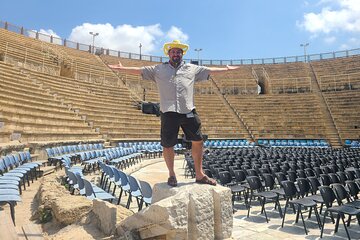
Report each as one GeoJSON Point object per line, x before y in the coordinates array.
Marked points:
{"type": "Point", "coordinates": [116, 53]}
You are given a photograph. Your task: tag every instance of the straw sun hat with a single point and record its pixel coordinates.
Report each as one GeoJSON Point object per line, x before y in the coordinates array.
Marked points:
{"type": "Point", "coordinates": [175, 44]}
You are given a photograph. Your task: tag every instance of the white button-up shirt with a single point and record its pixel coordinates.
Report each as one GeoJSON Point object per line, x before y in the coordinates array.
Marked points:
{"type": "Point", "coordinates": [176, 85]}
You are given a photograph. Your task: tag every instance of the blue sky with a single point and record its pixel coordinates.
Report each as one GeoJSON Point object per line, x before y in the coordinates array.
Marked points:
{"type": "Point", "coordinates": [224, 29]}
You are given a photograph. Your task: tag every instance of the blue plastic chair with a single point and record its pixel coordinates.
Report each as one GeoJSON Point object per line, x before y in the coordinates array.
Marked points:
{"type": "Point", "coordinates": [134, 192]}
{"type": "Point", "coordinates": [146, 191]}
{"type": "Point", "coordinates": [91, 194]}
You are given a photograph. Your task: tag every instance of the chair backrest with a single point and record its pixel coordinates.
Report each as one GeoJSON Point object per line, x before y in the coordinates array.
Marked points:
{"type": "Point", "coordinates": [304, 186]}
{"type": "Point", "coordinates": [342, 177]}
{"type": "Point", "coordinates": [89, 191]}
{"type": "Point", "coordinates": [109, 171]}
{"type": "Point", "coordinates": [269, 181]}
{"type": "Point", "coordinates": [146, 189]}
{"type": "Point", "coordinates": [252, 172]}
{"type": "Point", "coordinates": [280, 177]}
{"type": "Point", "coordinates": [254, 183]}
{"type": "Point", "coordinates": [116, 175]}
{"type": "Point", "coordinates": [124, 178]}
{"type": "Point", "coordinates": [28, 156]}
{"type": "Point", "coordinates": [310, 172]}
{"type": "Point", "coordinates": [340, 193]}
{"type": "Point", "coordinates": [315, 184]}
{"type": "Point", "coordinates": [292, 176]}
{"type": "Point", "coordinates": [328, 195]}
{"type": "Point", "coordinates": [80, 181]}
{"type": "Point", "coordinates": [2, 166]}
{"type": "Point", "coordinates": [134, 185]}
{"type": "Point", "coordinates": [240, 175]}
{"type": "Point", "coordinates": [325, 179]}
{"type": "Point", "coordinates": [225, 177]}
{"type": "Point", "coordinates": [353, 189]}
{"type": "Point", "coordinates": [72, 177]}
{"type": "Point", "coordinates": [350, 175]}
{"type": "Point", "coordinates": [289, 188]}
{"type": "Point", "coordinates": [301, 173]}
{"type": "Point", "coordinates": [334, 178]}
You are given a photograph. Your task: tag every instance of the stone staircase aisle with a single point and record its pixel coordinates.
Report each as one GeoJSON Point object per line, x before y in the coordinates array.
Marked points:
{"type": "Point", "coordinates": [332, 132]}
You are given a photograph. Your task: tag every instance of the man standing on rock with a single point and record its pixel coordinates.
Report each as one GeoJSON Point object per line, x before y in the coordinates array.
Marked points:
{"type": "Point", "coordinates": [175, 82]}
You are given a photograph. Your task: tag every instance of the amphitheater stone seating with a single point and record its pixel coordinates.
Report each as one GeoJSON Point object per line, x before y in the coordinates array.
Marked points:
{"type": "Point", "coordinates": [28, 110]}
{"type": "Point", "coordinates": [281, 117]}
{"type": "Point", "coordinates": [289, 77]}
{"type": "Point", "coordinates": [239, 81]}
{"type": "Point", "coordinates": [345, 109]}
{"type": "Point", "coordinates": [338, 74]}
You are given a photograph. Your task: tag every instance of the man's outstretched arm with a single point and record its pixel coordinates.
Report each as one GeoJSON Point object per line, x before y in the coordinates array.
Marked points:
{"type": "Point", "coordinates": [132, 70]}
{"type": "Point", "coordinates": [217, 70]}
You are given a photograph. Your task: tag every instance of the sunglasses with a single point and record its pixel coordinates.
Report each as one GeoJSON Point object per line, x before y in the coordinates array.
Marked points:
{"type": "Point", "coordinates": [176, 52]}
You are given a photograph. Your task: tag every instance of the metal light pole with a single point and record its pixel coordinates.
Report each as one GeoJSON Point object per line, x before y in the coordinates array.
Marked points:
{"type": "Point", "coordinates": [304, 45]}
{"type": "Point", "coordinates": [198, 54]}
{"type": "Point", "coordinates": [140, 50]}
{"type": "Point", "coordinates": [93, 36]}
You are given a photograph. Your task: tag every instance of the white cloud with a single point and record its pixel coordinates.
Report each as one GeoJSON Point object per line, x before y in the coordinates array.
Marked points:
{"type": "Point", "coordinates": [49, 32]}
{"type": "Point", "coordinates": [125, 37]}
{"type": "Point", "coordinates": [176, 33]}
{"type": "Point", "coordinates": [335, 16]}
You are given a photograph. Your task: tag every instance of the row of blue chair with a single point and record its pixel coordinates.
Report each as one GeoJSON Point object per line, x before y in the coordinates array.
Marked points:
{"type": "Point", "coordinates": [229, 143]}
{"type": "Point", "coordinates": [122, 156]}
{"type": "Point", "coordinates": [15, 169]}
{"type": "Point", "coordinates": [292, 143]}
{"type": "Point", "coordinates": [150, 149]}
{"type": "Point", "coordinates": [110, 175]}
{"type": "Point", "coordinates": [141, 190]}
{"type": "Point", "coordinates": [352, 143]}
{"type": "Point", "coordinates": [55, 153]}
{"type": "Point", "coordinates": [76, 181]}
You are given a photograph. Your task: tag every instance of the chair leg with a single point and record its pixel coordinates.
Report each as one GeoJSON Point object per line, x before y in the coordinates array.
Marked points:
{"type": "Point", "coordinates": [114, 189]}
{"type": "Point", "coordinates": [323, 224]}
{"type": "Point", "coordinates": [249, 206]}
{"type": "Point", "coordinates": [12, 211]}
{"type": "Point", "coordinates": [348, 223]}
{"type": "Point", "coordinates": [283, 220]}
{"type": "Point", "coordinates": [128, 202]}
{"type": "Point", "coordinates": [298, 214]}
{"type": "Point", "coordinates": [102, 178]}
{"type": "Point", "coordinates": [302, 218]}
{"type": "Point", "coordinates": [121, 191]}
{"type": "Point", "coordinates": [317, 217]}
{"type": "Point", "coordinates": [278, 204]}
{"type": "Point", "coordinates": [337, 223]}
{"type": "Point", "coordinates": [262, 202]}
{"type": "Point", "coordinates": [346, 229]}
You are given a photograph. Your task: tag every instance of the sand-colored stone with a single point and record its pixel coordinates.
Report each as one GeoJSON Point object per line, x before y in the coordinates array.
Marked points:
{"type": "Point", "coordinates": [185, 212]}
{"type": "Point", "coordinates": [66, 208]}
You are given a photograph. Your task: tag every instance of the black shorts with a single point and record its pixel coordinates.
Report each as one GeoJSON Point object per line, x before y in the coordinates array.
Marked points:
{"type": "Point", "coordinates": [171, 123]}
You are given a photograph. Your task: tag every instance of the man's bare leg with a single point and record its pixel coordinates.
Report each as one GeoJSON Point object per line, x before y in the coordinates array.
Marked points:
{"type": "Point", "coordinates": [169, 156]}
{"type": "Point", "coordinates": [197, 154]}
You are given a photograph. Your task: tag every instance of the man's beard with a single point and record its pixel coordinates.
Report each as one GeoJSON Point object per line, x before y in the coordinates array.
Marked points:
{"type": "Point", "coordinates": [176, 60]}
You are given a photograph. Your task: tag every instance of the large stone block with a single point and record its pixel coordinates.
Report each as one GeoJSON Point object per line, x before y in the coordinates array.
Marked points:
{"type": "Point", "coordinates": [66, 208]}
{"type": "Point", "coordinates": [109, 214]}
{"type": "Point", "coordinates": [189, 211]}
